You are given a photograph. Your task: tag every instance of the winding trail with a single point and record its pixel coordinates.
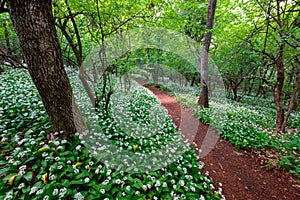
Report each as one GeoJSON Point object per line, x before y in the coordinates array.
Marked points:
{"type": "Point", "coordinates": [239, 171]}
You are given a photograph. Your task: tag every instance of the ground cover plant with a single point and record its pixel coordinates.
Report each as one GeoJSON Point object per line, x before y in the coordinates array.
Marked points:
{"type": "Point", "coordinates": [252, 127]}
{"type": "Point", "coordinates": [32, 167]}
{"type": "Point", "coordinates": [248, 124]}
{"type": "Point", "coordinates": [254, 54]}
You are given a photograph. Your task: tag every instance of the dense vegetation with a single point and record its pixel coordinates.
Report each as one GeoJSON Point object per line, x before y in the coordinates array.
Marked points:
{"type": "Point", "coordinates": [34, 168]}
{"type": "Point", "coordinates": [248, 124]}
{"type": "Point", "coordinates": [254, 62]}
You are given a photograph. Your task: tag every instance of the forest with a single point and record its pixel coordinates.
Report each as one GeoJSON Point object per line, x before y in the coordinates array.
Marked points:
{"type": "Point", "coordinates": [150, 99]}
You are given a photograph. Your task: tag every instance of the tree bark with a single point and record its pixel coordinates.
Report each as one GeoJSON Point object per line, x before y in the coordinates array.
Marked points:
{"type": "Point", "coordinates": [34, 25]}
{"type": "Point", "coordinates": [203, 97]}
{"type": "Point", "coordinates": [293, 98]}
{"type": "Point", "coordinates": [277, 91]}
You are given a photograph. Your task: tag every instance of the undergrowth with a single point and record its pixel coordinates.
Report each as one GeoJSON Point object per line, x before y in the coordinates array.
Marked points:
{"type": "Point", "coordinates": [248, 124]}
{"type": "Point", "coordinates": [32, 167]}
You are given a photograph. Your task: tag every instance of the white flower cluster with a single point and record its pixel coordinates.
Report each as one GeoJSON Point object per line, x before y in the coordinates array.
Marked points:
{"type": "Point", "coordinates": [8, 196]}
{"type": "Point", "coordinates": [62, 192]}
{"type": "Point", "coordinates": [78, 196]}
{"type": "Point", "coordinates": [22, 170]}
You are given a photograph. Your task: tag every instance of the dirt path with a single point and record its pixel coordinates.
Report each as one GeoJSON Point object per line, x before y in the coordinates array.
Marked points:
{"type": "Point", "coordinates": [239, 171]}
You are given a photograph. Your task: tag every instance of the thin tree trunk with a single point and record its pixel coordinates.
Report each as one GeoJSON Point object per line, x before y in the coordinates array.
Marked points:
{"type": "Point", "coordinates": [234, 90]}
{"type": "Point", "coordinates": [7, 41]}
{"type": "Point", "coordinates": [277, 91]}
{"type": "Point", "coordinates": [77, 50]}
{"type": "Point", "coordinates": [293, 98]}
{"type": "Point", "coordinates": [34, 25]}
{"type": "Point", "coordinates": [203, 97]}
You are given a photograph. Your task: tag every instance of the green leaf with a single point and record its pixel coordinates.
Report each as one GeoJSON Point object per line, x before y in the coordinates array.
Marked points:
{"type": "Point", "coordinates": [4, 171]}
{"type": "Point", "coordinates": [28, 176]}
{"type": "Point", "coordinates": [96, 187]}
{"type": "Point", "coordinates": [138, 184]}
{"type": "Point", "coordinates": [139, 197]}
{"type": "Point", "coordinates": [82, 175]}
{"type": "Point", "coordinates": [77, 182]}
{"type": "Point", "coordinates": [29, 159]}
{"type": "Point", "coordinates": [114, 190]}
{"type": "Point", "coordinates": [3, 162]}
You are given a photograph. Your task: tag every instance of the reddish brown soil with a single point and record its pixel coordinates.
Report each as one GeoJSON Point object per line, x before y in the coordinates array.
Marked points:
{"type": "Point", "coordinates": [239, 171]}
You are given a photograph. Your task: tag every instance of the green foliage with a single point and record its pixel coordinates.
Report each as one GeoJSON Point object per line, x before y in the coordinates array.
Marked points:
{"type": "Point", "coordinates": [246, 39]}
{"type": "Point", "coordinates": [247, 126]}
{"type": "Point", "coordinates": [185, 16]}
{"type": "Point", "coordinates": [8, 38]}
{"type": "Point", "coordinates": [241, 125]}
{"type": "Point", "coordinates": [33, 167]}
{"type": "Point", "coordinates": [21, 108]}
{"type": "Point", "coordinates": [160, 86]}
{"type": "Point", "coordinates": [162, 63]}
{"type": "Point", "coordinates": [98, 20]}
{"type": "Point", "coordinates": [289, 152]}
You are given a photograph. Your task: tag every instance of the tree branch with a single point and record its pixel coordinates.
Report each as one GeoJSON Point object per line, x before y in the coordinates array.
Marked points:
{"type": "Point", "coordinates": [6, 57]}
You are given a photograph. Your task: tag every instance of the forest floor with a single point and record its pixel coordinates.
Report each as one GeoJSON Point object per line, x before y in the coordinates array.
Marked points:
{"type": "Point", "coordinates": [239, 171]}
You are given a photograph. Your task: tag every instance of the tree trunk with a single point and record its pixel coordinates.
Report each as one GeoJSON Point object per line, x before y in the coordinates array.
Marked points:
{"type": "Point", "coordinates": [277, 91]}
{"type": "Point", "coordinates": [234, 88]}
{"type": "Point", "coordinates": [7, 41]}
{"type": "Point", "coordinates": [293, 98]}
{"type": "Point", "coordinates": [203, 97]}
{"type": "Point", "coordinates": [34, 25]}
